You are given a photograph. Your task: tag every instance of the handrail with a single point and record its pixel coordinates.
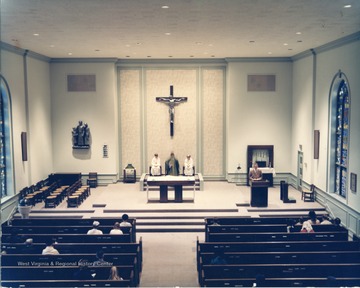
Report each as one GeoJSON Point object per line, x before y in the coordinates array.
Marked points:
{"type": "Point", "coordinates": [11, 216]}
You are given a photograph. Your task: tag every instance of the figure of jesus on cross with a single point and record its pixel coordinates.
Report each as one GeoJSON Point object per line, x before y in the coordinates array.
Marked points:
{"type": "Point", "coordinates": [171, 101]}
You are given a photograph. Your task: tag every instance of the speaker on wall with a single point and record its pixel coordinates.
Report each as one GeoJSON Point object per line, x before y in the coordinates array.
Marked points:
{"type": "Point", "coordinates": [316, 143]}
{"type": "Point", "coordinates": [24, 146]}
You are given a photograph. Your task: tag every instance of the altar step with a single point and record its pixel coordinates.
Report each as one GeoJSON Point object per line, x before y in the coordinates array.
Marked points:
{"type": "Point", "coordinates": [170, 225]}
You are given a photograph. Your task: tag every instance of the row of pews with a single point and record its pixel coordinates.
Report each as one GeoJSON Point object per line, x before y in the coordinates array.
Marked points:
{"type": "Point", "coordinates": [243, 251]}
{"type": "Point", "coordinates": [23, 269]}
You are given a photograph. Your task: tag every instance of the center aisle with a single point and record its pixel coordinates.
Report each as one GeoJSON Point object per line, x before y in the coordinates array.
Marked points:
{"type": "Point", "coordinates": [169, 259]}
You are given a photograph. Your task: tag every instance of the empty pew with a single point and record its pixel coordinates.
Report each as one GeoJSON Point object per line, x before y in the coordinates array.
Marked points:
{"type": "Point", "coordinates": [279, 246]}
{"type": "Point", "coordinates": [68, 283]}
{"type": "Point", "coordinates": [278, 271]}
{"type": "Point", "coordinates": [277, 236]}
{"type": "Point", "coordinates": [284, 282]}
{"type": "Point", "coordinates": [312, 257]}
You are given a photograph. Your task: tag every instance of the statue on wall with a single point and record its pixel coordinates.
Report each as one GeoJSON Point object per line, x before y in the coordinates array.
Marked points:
{"type": "Point", "coordinates": [81, 136]}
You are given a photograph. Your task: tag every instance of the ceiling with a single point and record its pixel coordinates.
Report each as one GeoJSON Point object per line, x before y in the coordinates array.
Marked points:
{"type": "Point", "coordinates": [138, 29]}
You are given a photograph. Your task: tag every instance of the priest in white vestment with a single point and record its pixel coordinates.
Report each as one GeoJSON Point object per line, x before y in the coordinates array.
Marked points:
{"type": "Point", "coordinates": [188, 166]}
{"type": "Point", "coordinates": [155, 165]}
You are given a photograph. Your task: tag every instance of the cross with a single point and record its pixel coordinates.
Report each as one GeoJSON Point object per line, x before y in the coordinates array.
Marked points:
{"type": "Point", "coordinates": [171, 101]}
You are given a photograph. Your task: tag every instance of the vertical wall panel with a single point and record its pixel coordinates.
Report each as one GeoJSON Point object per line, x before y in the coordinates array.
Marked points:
{"type": "Point", "coordinates": [213, 121]}
{"type": "Point", "coordinates": [158, 140]}
{"type": "Point", "coordinates": [130, 107]}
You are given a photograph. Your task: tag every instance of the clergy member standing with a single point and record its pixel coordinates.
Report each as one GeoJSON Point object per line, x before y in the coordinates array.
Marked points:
{"type": "Point", "coordinates": [255, 173]}
{"type": "Point", "coordinates": [188, 166]}
{"type": "Point", "coordinates": [155, 165]}
{"type": "Point", "coordinates": [172, 165]}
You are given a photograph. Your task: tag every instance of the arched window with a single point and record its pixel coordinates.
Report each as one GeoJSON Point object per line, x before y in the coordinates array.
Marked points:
{"type": "Point", "coordinates": [6, 153]}
{"type": "Point", "coordinates": [339, 135]}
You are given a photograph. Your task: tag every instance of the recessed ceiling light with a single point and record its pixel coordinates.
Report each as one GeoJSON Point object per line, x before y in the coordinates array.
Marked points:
{"type": "Point", "coordinates": [347, 6]}
{"type": "Point", "coordinates": [167, 33]}
{"type": "Point", "coordinates": [286, 44]}
{"type": "Point", "coordinates": [52, 46]}
{"type": "Point", "coordinates": [269, 53]}
{"type": "Point", "coordinates": [198, 43]}
{"type": "Point", "coordinates": [36, 34]}
{"type": "Point", "coordinates": [165, 7]}
{"type": "Point", "coordinates": [69, 53]}
{"type": "Point", "coordinates": [211, 45]}
{"type": "Point", "coordinates": [298, 33]}
{"type": "Point", "coordinates": [127, 45]}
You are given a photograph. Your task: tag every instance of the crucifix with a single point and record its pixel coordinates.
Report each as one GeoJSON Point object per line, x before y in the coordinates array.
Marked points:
{"type": "Point", "coordinates": [171, 101]}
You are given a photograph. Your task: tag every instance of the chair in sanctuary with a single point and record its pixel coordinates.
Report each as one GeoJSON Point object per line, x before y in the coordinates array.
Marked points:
{"type": "Point", "coordinates": [193, 173]}
{"type": "Point", "coordinates": [308, 195]}
{"type": "Point", "coordinates": [93, 179]}
{"type": "Point", "coordinates": [151, 173]}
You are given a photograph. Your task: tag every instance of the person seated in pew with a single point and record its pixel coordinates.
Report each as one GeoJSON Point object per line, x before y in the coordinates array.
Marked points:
{"type": "Point", "coordinates": [114, 274]}
{"type": "Point", "coordinates": [300, 221]}
{"type": "Point", "coordinates": [219, 258]}
{"type": "Point", "coordinates": [125, 221]}
{"type": "Point", "coordinates": [307, 227]}
{"type": "Point", "coordinates": [84, 272]}
{"type": "Point", "coordinates": [49, 249]}
{"type": "Point", "coordinates": [116, 229]}
{"type": "Point", "coordinates": [313, 218]}
{"type": "Point", "coordinates": [255, 174]}
{"type": "Point", "coordinates": [100, 259]}
{"type": "Point", "coordinates": [95, 229]}
{"type": "Point", "coordinates": [28, 247]}
{"type": "Point", "coordinates": [325, 220]}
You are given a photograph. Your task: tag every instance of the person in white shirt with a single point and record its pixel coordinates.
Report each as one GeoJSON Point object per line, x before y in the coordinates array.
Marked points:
{"type": "Point", "coordinates": [49, 249]}
{"type": "Point", "coordinates": [95, 229]}
{"type": "Point", "coordinates": [125, 222]}
{"type": "Point", "coordinates": [155, 165]}
{"type": "Point", "coordinates": [188, 166]}
{"type": "Point", "coordinates": [116, 229]}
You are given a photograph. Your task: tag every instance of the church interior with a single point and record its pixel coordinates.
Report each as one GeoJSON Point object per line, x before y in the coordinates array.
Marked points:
{"type": "Point", "coordinates": [91, 90]}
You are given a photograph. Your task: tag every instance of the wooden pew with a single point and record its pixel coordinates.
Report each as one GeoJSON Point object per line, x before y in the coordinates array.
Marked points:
{"type": "Point", "coordinates": [74, 238]}
{"type": "Point", "coordinates": [11, 273]}
{"type": "Point", "coordinates": [280, 246]}
{"type": "Point", "coordinates": [64, 260]}
{"type": "Point", "coordinates": [277, 236]}
{"type": "Point", "coordinates": [68, 283]}
{"type": "Point", "coordinates": [278, 271]}
{"type": "Point", "coordinates": [70, 248]}
{"type": "Point", "coordinates": [106, 224]}
{"type": "Point", "coordinates": [314, 257]}
{"type": "Point", "coordinates": [284, 282]}
{"type": "Point", "coordinates": [249, 220]}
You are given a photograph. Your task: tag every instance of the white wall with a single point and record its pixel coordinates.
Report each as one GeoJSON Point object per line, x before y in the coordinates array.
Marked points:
{"type": "Point", "coordinates": [259, 118]}
{"type": "Point", "coordinates": [346, 59]}
{"type": "Point", "coordinates": [98, 109]}
{"type": "Point", "coordinates": [39, 133]}
{"type": "Point", "coordinates": [302, 116]}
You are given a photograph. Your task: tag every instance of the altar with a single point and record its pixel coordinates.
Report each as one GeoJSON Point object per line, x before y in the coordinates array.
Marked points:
{"type": "Point", "coordinates": [165, 181]}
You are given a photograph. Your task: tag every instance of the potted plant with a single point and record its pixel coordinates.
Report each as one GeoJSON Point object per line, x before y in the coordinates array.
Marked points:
{"type": "Point", "coordinates": [24, 208]}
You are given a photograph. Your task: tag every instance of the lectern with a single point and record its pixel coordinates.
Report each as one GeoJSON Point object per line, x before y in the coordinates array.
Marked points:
{"type": "Point", "coordinates": [259, 193]}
